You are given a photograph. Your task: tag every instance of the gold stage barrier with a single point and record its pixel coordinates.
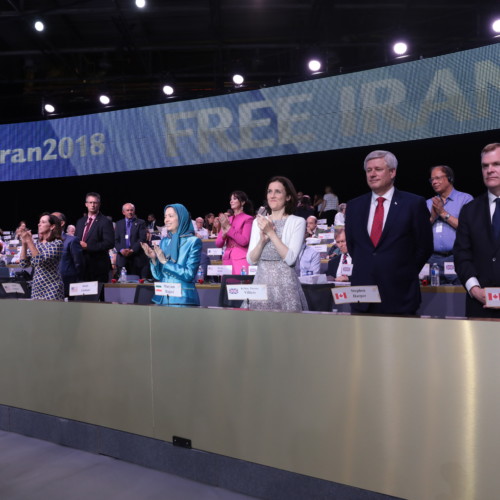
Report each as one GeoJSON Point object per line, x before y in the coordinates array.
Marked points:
{"type": "Point", "coordinates": [403, 406]}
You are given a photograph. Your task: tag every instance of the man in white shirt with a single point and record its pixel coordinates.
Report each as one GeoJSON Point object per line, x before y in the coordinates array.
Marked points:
{"type": "Point", "coordinates": [336, 263]}
{"type": "Point", "coordinates": [199, 230]}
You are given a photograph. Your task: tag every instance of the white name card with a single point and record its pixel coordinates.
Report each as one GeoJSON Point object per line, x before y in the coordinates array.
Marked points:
{"type": "Point", "coordinates": [214, 251]}
{"type": "Point", "coordinates": [85, 288]}
{"type": "Point", "coordinates": [242, 292]}
{"type": "Point", "coordinates": [350, 294]}
{"type": "Point", "coordinates": [425, 271]}
{"type": "Point", "coordinates": [168, 289]}
{"type": "Point", "coordinates": [320, 248]}
{"type": "Point", "coordinates": [13, 288]}
{"type": "Point", "coordinates": [219, 270]}
{"type": "Point", "coordinates": [321, 222]}
{"type": "Point", "coordinates": [326, 236]}
{"type": "Point", "coordinates": [312, 241]}
{"type": "Point", "coordinates": [252, 270]}
{"type": "Point", "coordinates": [449, 268]}
{"type": "Point", "coordinates": [346, 269]}
{"type": "Point", "coordinates": [323, 227]}
{"type": "Point", "coordinates": [492, 297]}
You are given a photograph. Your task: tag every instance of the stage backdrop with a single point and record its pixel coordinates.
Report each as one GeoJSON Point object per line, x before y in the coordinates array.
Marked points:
{"type": "Point", "coordinates": [446, 95]}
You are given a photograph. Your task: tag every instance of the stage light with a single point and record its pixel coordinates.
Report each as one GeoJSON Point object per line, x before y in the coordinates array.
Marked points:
{"type": "Point", "coordinates": [168, 90]}
{"type": "Point", "coordinates": [104, 99]}
{"type": "Point", "coordinates": [49, 108]}
{"type": "Point", "coordinates": [495, 26]}
{"type": "Point", "coordinates": [238, 79]}
{"type": "Point", "coordinates": [140, 3]}
{"type": "Point", "coordinates": [400, 48]}
{"type": "Point", "coordinates": [314, 65]}
{"type": "Point", "coordinates": [39, 26]}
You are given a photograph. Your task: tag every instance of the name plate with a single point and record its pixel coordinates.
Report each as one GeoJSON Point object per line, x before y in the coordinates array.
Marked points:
{"type": "Point", "coordinates": [13, 288]}
{"type": "Point", "coordinates": [85, 288]}
{"type": "Point", "coordinates": [449, 268]}
{"type": "Point", "coordinates": [219, 270]}
{"type": "Point", "coordinates": [252, 270]}
{"type": "Point", "coordinates": [214, 251]}
{"type": "Point", "coordinates": [346, 269]}
{"type": "Point", "coordinates": [492, 297]}
{"type": "Point", "coordinates": [242, 292]}
{"type": "Point", "coordinates": [425, 271]}
{"type": "Point", "coordinates": [320, 248]}
{"type": "Point", "coordinates": [168, 289]}
{"type": "Point", "coordinates": [326, 236]}
{"type": "Point", "coordinates": [312, 241]}
{"type": "Point", "coordinates": [323, 227]}
{"type": "Point", "coordinates": [321, 222]}
{"type": "Point", "coordinates": [353, 294]}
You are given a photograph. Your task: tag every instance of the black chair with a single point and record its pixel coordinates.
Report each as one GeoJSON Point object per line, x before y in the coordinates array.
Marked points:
{"type": "Point", "coordinates": [91, 298]}
{"type": "Point", "coordinates": [144, 294]}
{"type": "Point", "coordinates": [319, 297]}
{"type": "Point", "coordinates": [232, 279]}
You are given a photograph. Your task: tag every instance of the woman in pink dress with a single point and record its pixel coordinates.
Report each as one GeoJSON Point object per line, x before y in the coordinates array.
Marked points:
{"type": "Point", "coordinates": [235, 231]}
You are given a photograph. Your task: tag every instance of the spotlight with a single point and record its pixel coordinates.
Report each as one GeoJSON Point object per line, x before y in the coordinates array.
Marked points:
{"type": "Point", "coordinates": [39, 26]}
{"type": "Point", "coordinates": [140, 3]}
{"type": "Point", "coordinates": [168, 90]}
{"type": "Point", "coordinates": [495, 26]}
{"type": "Point", "coordinates": [49, 108]}
{"type": "Point", "coordinates": [314, 65]}
{"type": "Point", "coordinates": [238, 79]}
{"type": "Point", "coordinates": [104, 99]}
{"type": "Point", "coordinates": [400, 48]}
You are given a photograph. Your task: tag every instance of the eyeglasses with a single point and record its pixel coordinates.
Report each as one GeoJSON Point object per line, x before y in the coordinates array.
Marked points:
{"type": "Point", "coordinates": [437, 178]}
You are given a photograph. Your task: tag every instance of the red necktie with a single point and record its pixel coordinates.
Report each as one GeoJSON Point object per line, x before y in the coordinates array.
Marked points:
{"type": "Point", "coordinates": [378, 221]}
{"type": "Point", "coordinates": [344, 259]}
{"type": "Point", "coordinates": [87, 227]}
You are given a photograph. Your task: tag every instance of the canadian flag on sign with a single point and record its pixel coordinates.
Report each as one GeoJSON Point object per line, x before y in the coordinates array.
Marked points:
{"type": "Point", "coordinates": [492, 297]}
{"type": "Point", "coordinates": [342, 295]}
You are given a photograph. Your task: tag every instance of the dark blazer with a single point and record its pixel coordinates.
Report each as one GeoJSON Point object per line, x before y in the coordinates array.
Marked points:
{"type": "Point", "coordinates": [476, 253]}
{"type": "Point", "coordinates": [100, 240]}
{"type": "Point", "coordinates": [394, 264]}
{"type": "Point", "coordinates": [333, 265]}
{"type": "Point", "coordinates": [137, 235]}
{"type": "Point", "coordinates": [71, 265]}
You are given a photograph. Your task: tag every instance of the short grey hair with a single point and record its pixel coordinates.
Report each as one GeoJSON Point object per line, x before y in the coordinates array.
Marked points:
{"type": "Point", "coordinates": [128, 203]}
{"type": "Point", "coordinates": [390, 160]}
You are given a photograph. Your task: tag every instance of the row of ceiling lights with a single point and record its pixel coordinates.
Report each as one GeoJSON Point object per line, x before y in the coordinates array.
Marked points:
{"type": "Point", "coordinates": [400, 49]}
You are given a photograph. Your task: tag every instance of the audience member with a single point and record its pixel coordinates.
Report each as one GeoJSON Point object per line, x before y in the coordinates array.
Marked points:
{"type": "Point", "coordinates": [130, 232]}
{"type": "Point", "coordinates": [216, 228]}
{"type": "Point", "coordinates": [177, 258]}
{"type": "Point", "coordinates": [199, 230]}
{"type": "Point", "coordinates": [477, 243]}
{"type": "Point", "coordinates": [97, 237]}
{"type": "Point", "coordinates": [329, 207]}
{"type": "Point", "coordinates": [311, 227]}
{"type": "Point", "coordinates": [304, 208]}
{"type": "Point", "coordinates": [209, 222]}
{"type": "Point", "coordinates": [340, 217]}
{"type": "Point", "coordinates": [71, 265]}
{"type": "Point", "coordinates": [275, 244]}
{"type": "Point", "coordinates": [337, 261]}
{"type": "Point", "coordinates": [445, 208]}
{"type": "Point", "coordinates": [151, 222]}
{"type": "Point", "coordinates": [389, 237]}
{"type": "Point", "coordinates": [71, 230]}
{"type": "Point", "coordinates": [44, 257]}
{"type": "Point", "coordinates": [234, 236]}
{"type": "Point", "coordinates": [308, 261]}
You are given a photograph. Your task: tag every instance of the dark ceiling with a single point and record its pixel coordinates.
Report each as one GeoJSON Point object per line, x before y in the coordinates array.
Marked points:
{"type": "Point", "coordinates": [94, 46]}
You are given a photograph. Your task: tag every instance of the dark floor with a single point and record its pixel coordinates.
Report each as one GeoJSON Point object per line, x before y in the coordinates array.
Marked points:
{"type": "Point", "coordinates": [31, 469]}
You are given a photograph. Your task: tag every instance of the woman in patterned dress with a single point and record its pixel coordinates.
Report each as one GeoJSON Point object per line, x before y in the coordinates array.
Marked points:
{"type": "Point", "coordinates": [275, 243]}
{"type": "Point", "coordinates": [44, 257]}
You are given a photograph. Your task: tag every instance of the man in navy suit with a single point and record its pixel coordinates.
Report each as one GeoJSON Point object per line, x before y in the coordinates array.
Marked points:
{"type": "Point", "coordinates": [130, 232]}
{"type": "Point", "coordinates": [97, 238]}
{"type": "Point", "coordinates": [477, 244]}
{"type": "Point", "coordinates": [389, 238]}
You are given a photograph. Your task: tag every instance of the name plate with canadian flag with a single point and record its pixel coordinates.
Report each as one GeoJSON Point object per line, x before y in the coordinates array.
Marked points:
{"type": "Point", "coordinates": [492, 297]}
{"type": "Point", "coordinates": [351, 294]}
{"type": "Point", "coordinates": [85, 288]}
{"type": "Point", "coordinates": [168, 289]}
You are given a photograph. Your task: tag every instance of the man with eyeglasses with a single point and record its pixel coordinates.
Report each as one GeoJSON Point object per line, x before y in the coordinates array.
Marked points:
{"type": "Point", "coordinates": [445, 209]}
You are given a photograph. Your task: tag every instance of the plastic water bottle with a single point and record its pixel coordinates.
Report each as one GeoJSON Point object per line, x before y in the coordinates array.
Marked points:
{"type": "Point", "coordinates": [200, 278]}
{"type": "Point", "coordinates": [123, 275]}
{"type": "Point", "coordinates": [434, 275]}
{"type": "Point", "coordinates": [244, 270]}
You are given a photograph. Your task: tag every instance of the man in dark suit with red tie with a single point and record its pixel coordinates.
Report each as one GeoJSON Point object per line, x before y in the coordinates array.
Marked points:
{"type": "Point", "coordinates": [389, 238]}
{"type": "Point", "coordinates": [477, 244]}
{"type": "Point", "coordinates": [97, 238]}
{"type": "Point", "coordinates": [130, 232]}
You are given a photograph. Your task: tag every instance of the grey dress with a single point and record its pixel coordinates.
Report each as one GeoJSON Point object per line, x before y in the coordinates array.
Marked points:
{"type": "Point", "coordinates": [284, 291]}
